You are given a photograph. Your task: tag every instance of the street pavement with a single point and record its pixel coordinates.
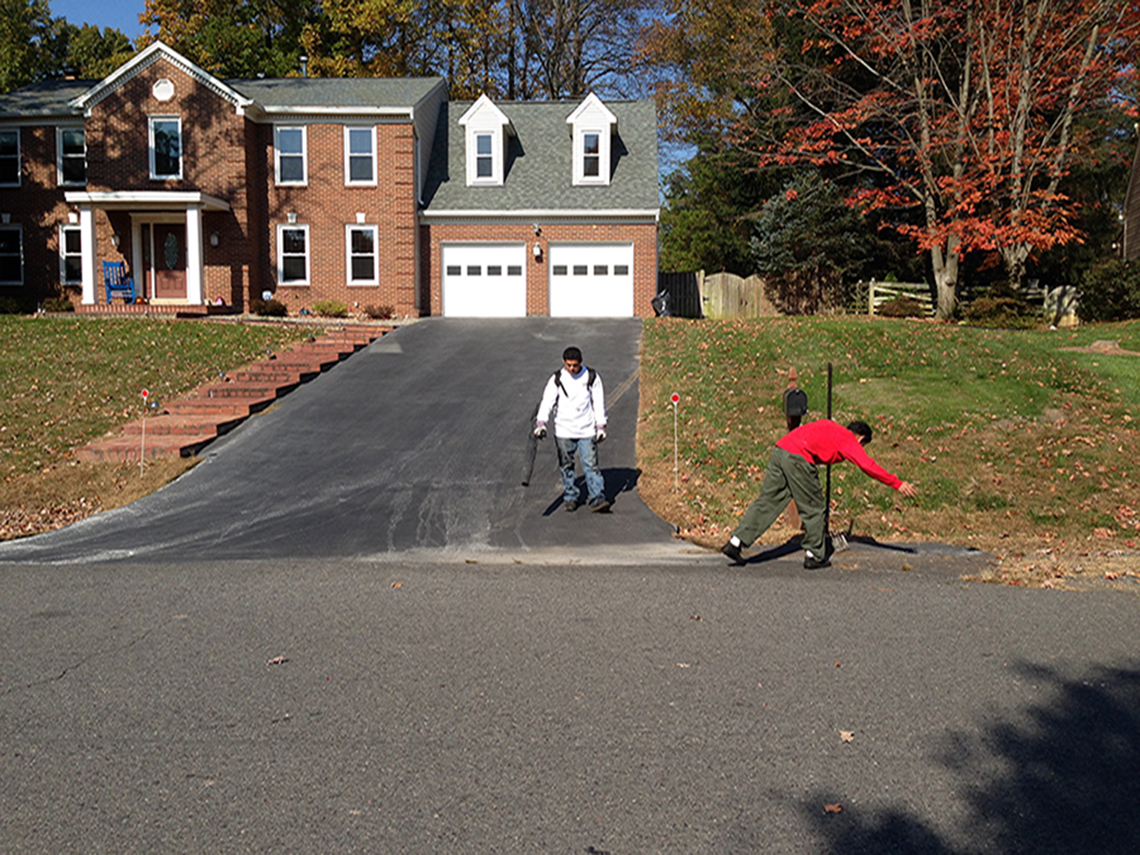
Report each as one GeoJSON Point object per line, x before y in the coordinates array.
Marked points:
{"type": "Point", "coordinates": [342, 667]}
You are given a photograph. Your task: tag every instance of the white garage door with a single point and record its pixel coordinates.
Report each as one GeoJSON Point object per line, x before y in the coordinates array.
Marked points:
{"type": "Point", "coordinates": [484, 280]}
{"type": "Point", "coordinates": [591, 280]}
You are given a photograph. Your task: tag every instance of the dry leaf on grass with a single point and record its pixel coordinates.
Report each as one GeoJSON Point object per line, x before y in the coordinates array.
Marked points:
{"type": "Point", "coordinates": [847, 735]}
{"type": "Point", "coordinates": [836, 808]}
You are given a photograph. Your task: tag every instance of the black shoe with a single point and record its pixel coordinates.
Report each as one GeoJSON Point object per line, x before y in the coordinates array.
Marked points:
{"type": "Point", "coordinates": [813, 563]}
{"type": "Point", "coordinates": [733, 551]}
{"type": "Point", "coordinates": [571, 505]}
{"type": "Point", "coordinates": [599, 504]}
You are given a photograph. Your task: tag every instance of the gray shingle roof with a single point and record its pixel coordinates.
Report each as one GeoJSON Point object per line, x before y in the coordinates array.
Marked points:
{"type": "Point", "coordinates": [317, 92]}
{"type": "Point", "coordinates": [539, 165]}
{"type": "Point", "coordinates": [47, 98]}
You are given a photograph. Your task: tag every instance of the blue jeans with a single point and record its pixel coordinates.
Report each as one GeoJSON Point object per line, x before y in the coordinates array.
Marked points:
{"type": "Point", "coordinates": [587, 448]}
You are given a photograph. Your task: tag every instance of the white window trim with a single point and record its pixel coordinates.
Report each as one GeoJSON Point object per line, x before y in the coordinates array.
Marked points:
{"type": "Point", "coordinates": [281, 228]}
{"type": "Point", "coordinates": [63, 229]}
{"type": "Point", "coordinates": [348, 230]}
{"type": "Point", "coordinates": [19, 158]}
{"type": "Point", "coordinates": [150, 147]}
{"type": "Point", "coordinates": [348, 182]}
{"type": "Point", "coordinates": [602, 179]}
{"type": "Point", "coordinates": [19, 229]}
{"type": "Point", "coordinates": [59, 158]}
{"type": "Point", "coordinates": [495, 179]}
{"type": "Point", "coordinates": [304, 156]}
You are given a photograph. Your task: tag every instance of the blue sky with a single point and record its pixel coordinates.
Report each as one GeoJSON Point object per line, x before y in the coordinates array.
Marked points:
{"type": "Point", "coordinates": [120, 14]}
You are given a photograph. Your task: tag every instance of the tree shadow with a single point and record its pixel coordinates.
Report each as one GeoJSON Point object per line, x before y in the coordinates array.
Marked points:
{"type": "Point", "coordinates": [1068, 784]}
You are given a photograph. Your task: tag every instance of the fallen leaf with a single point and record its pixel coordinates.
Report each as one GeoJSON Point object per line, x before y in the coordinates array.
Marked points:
{"type": "Point", "coordinates": [397, 584]}
{"type": "Point", "coordinates": [684, 665]}
{"type": "Point", "coordinates": [847, 735]}
{"type": "Point", "coordinates": [277, 660]}
{"type": "Point", "coordinates": [836, 808]}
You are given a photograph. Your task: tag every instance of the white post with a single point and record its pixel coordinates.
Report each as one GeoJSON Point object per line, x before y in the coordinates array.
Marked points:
{"type": "Point", "coordinates": [87, 252]}
{"type": "Point", "coordinates": [195, 278]}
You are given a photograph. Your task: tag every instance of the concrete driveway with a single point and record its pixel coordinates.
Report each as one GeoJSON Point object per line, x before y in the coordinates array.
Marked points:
{"type": "Point", "coordinates": [415, 443]}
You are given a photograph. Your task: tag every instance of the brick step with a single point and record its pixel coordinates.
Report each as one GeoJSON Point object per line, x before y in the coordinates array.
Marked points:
{"type": "Point", "coordinates": [246, 390]}
{"type": "Point", "coordinates": [228, 407]}
{"type": "Point", "coordinates": [268, 373]}
{"type": "Point", "coordinates": [121, 449]}
{"type": "Point", "coordinates": [302, 362]}
{"type": "Point", "coordinates": [183, 426]}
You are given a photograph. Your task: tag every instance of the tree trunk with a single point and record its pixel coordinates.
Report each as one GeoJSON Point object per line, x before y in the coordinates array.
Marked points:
{"type": "Point", "coordinates": [945, 264]}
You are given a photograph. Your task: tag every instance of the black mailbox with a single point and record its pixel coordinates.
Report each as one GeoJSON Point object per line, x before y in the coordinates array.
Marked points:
{"type": "Point", "coordinates": [795, 403]}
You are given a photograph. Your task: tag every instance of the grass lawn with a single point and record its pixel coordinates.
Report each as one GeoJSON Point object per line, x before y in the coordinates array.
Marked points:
{"type": "Point", "coordinates": [1020, 443]}
{"type": "Point", "coordinates": [65, 381]}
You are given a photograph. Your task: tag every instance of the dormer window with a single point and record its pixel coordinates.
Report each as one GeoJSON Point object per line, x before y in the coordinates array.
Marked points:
{"type": "Point", "coordinates": [591, 128]}
{"type": "Point", "coordinates": [486, 128]}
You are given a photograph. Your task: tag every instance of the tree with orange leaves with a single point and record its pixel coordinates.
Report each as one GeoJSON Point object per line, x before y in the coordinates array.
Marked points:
{"type": "Point", "coordinates": [958, 120]}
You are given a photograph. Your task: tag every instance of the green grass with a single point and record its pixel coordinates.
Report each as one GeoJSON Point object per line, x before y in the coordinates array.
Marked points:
{"type": "Point", "coordinates": [1007, 433]}
{"type": "Point", "coordinates": [66, 381]}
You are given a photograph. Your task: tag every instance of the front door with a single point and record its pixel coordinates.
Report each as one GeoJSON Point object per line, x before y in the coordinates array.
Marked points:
{"type": "Point", "coordinates": [166, 265]}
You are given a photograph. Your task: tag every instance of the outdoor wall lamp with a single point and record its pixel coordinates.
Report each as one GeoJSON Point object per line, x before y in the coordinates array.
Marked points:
{"type": "Point", "coordinates": [215, 239]}
{"type": "Point", "coordinates": [115, 239]}
{"type": "Point", "coordinates": [537, 251]}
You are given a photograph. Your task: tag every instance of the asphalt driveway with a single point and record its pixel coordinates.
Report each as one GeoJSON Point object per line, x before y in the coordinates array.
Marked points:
{"type": "Point", "coordinates": [415, 443]}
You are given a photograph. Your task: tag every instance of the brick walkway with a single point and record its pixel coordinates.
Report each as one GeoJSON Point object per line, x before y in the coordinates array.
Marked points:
{"type": "Point", "coordinates": [189, 424]}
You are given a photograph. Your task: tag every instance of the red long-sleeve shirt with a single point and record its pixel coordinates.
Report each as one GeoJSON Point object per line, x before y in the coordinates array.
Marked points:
{"type": "Point", "coordinates": [825, 441]}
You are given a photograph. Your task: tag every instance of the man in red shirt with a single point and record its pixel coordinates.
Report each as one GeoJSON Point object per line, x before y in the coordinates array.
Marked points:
{"type": "Point", "coordinates": [792, 474]}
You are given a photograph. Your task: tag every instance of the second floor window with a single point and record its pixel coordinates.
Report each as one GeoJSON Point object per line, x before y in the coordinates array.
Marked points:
{"type": "Point", "coordinates": [289, 147]}
{"type": "Point", "coordinates": [359, 155]}
{"type": "Point", "coordinates": [484, 159]}
{"type": "Point", "coordinates": [71, 161]}
{"type": "Point", "coordinates": [165, 147]}
{"type": "Point", "coordinates": [10, 158]}
{"type": "Point", "coordinates": [591, 155]}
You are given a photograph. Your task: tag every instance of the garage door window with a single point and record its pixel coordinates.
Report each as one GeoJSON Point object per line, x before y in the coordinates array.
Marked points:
{"type": "Point", "coordinates": [559, 270]}
{"type": "Point", "coordinates": [581, 269]}
{"type": "Point", "coordinates": [621, 270]}
{"type": "Point", "coordinates": [601, 270]}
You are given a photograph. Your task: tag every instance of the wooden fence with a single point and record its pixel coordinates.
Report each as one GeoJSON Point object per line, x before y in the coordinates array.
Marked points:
{"type": "Point", "coordinates": [726, 295]}
{"type": "Point", "coordinates": [884, 292]}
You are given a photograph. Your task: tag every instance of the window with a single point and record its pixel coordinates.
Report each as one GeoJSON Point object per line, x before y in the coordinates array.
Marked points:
{"type": "Point", "coordinates": [484, 161]}
{"type": "Point", "coordinates": [71, 155]}
{"type": "Point", "coordinates": [494, 270]}
{"type": "Point", "coordinates": [11, 255]}
{"type": "Point", "coordinates": [559, 270]}
{"type": "Point", "coordinates": [474, 270]}
{"type": "Point", "coordinates": [454, 270]}
{"type": "Point", "coordinates": [514, 270]}
{"type": "Point", "coordinates": [289, 149]}
{"type": "Point", "coordinates": [165, 147]}
{"type": "Point", "coordinates": [601, 270]}
{"type": "Point", "coordinates": [363, 255]}
{"type": "Point", "coordinates": [359, 155]}
{"type": "Point", "coordinates": [591, 155]}
{"type": "Point", "coordinates": [70, 255]}
{"type": "Point", "coordinates": [621, 270]}
{"type": "Point", "coordinates": [10, 158]}
{"type": "Point", "coordinates": [292, 255]}
{"type": "Point", "coordinates": [581, 269]}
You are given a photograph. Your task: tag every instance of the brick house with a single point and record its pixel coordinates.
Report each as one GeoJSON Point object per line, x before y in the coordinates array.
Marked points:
{"type": "Point", "coordinates": [370, 192]}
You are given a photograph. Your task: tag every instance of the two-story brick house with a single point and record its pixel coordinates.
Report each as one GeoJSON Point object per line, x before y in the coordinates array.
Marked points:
{"type": "Point", "coordinates": [365, 191]}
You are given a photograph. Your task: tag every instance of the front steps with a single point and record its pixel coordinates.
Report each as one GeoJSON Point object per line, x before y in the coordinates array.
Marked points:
{"type": "Point", "coordinates": [189, 424]}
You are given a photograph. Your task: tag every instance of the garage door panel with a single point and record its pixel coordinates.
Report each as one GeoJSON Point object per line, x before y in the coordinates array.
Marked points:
{"type": "Point", "coordinates": [484, 280]}
{"type": "Point", "coordinates": [591, 280]}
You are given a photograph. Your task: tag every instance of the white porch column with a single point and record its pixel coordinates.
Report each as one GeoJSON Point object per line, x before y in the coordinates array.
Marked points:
{"type": "Point", "coordinates": [195, 270]}
{"type": "Point", "coordinates": [87, 253]}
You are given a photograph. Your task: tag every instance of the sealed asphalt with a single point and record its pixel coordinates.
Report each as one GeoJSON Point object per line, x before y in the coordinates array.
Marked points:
{"type": "Point", "coordinates": [351, 630]}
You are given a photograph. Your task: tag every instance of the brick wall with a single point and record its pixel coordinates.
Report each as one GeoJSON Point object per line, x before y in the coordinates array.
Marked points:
{"type": "Point", "coordinates": [643, 238]}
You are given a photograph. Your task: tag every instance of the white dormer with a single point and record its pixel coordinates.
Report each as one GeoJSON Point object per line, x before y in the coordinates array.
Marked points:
{"type": "Point", "coordinates": [591, 127]}
{"type": "Point", "coordinates": [487, 129]}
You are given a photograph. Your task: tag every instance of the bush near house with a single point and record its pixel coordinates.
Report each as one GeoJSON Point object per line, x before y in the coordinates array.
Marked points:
{"type": "Point", "coordinates": [902, 307]}
{"type": "Point", "coordinates": [1008, 313]}
{"type": "Point", "coordinates": [331, 308]}
{"type": "Point", "coordinates": [1111, 292]}
{"type": "Point", "coordinates": [268, 308]}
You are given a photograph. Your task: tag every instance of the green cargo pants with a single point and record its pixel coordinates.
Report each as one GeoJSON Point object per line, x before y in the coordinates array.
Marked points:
{"type": "Point", "coordinates": [789, 477]}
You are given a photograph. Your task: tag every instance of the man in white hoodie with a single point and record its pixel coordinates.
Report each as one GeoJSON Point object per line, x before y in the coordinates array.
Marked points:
{"type": "Point", "coordinates": [576, 396]}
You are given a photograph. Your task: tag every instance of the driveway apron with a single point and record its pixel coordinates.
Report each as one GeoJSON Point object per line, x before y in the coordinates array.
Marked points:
{"type": "Point", "coordinates": [415, 443]}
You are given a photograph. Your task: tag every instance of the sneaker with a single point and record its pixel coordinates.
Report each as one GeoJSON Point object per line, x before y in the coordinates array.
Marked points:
{"type": "Point", "coordinates": [813, 563]}
{"type": "Point", "coordinates": [733, 551]}
{"type": "Point", "coordinates": [599, 504]}
{"type": "Point", "coordinates": [571, 505]}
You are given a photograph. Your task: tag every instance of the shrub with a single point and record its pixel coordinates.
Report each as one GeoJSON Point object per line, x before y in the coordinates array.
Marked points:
{"type": "Point", "coordinates": [1110, 292]}
{"type": "Point", "coordinates": [1001, 313]}
{"type": "Point", "coordinates": [58, 304]}
{"type": "Point", "coordinates": [902, 307]}
{"type": "Point", "coordinates": [11, 306]}
{"type": "Point", "coordinates": [268, 308]}
{"type": "Point", "coordinates": [331, 308]}
{"type": "Point", "coordinates": [380, 313]}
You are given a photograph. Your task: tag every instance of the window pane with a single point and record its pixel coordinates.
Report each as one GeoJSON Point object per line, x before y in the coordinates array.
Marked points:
{"type": "Point", "coordinates": [293, 268]}
{"type": "Point", "coordinates": [293, 240]}
{"type": "Point", "coordinates": [454, 270]}
{"type": "Point", "coordinates": [362, 241]}
{"type": "Point", "coordinates": [9, 170]}
{"type": "Point", "coordinates": [474, 270]}
{"type": "Point", "coordinates": [72, 241]}
{"type": "Point", "coordinates": [360, 141]}
{"type": "Point", "coordinates": [74, 170]}
{"type": "Point", "coordinates": [514, 270]}
{"type": "Point", "coordinates": [590, 145]}
{"type": "Point", "coordinates": [290, 141]}
{"type": "Point", "coordinates": [601, 270]}
{"type": "Point", "coordinates": [9, 268]}
{"type": "Point", "coordinates": [360, 169]}
{"type": "Point", "coordinates": [590, 167]}
{"type": "Point", "coordinates": [483, 167]}
{"type": "Point", "coordinates": [560, 270]}
{"type": "Point", "coordinates": [292, 168]}
{"type": "Point", "coordinates": [580, 270]}
{"type": "Point", "coordinates": [167, 147]}
{"type": "Point", "coordinates": [72, 269]}
{"type": "Point", "coordinates": [494, 270]}
{"type": "Point", "coordinates": [621, 270]}
{"type": "Point", "coordinates": [362, 268]}
{"type": "Point", "coordinates": [8, 142]}
{"type": "Point", "coordinates": [72, 140]}
{"type": "Point", "coordinates": [483, 144]}
{"type": "Point", "coordinates": [9, 241]}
